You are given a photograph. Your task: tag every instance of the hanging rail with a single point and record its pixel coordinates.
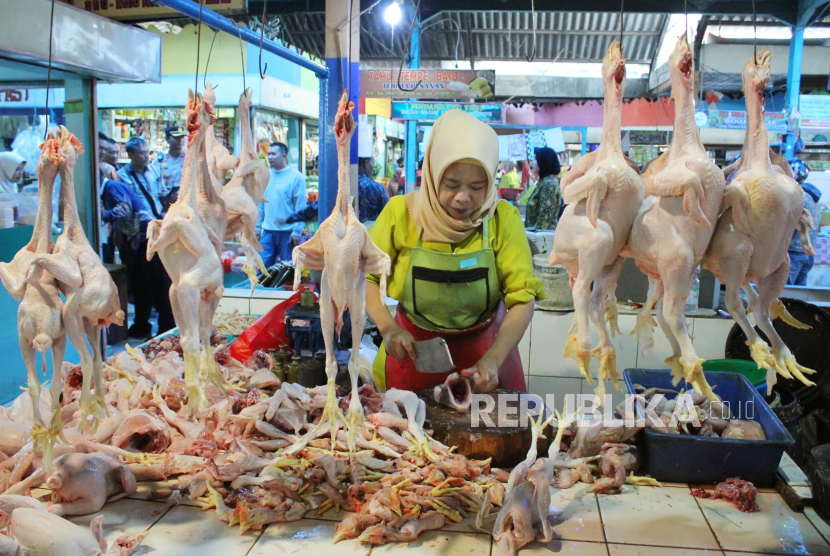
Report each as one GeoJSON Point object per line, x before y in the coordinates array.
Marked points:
{"type": "Point", "coordinates": [221, 23]}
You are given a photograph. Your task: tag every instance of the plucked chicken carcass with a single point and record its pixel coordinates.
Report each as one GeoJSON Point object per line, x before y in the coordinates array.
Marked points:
{"type": "Point", "coordinates": [763, 208]}
{"type": "Point", "coordinates": [91, 296]}
{"type": "Point", "coordinates": [187, 249]}
{"type": "Point", "coordinates": [345, 253]}
{"type": "Point", "coordinates": [82, 483]}
{"type": "Point", "coordinates": [39, 322]}
{"type": "Point", "coordinates": [675, 224]}
{"type": "Point", "coordinates": [219, 160]}
{"type": "Point", "coordinates": [244, 192]}
{"type": "Point", "coordinates": [603, 194]}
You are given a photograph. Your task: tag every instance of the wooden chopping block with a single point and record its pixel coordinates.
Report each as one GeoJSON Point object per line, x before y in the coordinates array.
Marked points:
{"type": "Point", "coordinates": [506, 445]}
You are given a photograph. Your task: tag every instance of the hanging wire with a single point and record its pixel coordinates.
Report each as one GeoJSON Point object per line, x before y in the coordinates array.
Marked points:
{"type": "Point", "coordinates": [754, 35]}
{"type": "Point", "coordinates": [262, 70]}
{"type": "Point", "coordinates": [49, 68]}
{"type": "Point", "coordinates": [242, 56]}
{"type": "Point", "coordinates": [349, 53]}
{"type": "Point", "coordinates": [198, 45]}
{"type": "Point", "coordinates": [406, 50]}
{"type": "Point", "coordinates": [686, 13]}
{"type": "Point", "coordinates": [533, 18]}
{"type": "Point", "coordinates": [457, 29]}
{"type": "Point", "coordinates": [622, 6]}
{"type": "Point", "coordinates": [207, 64]}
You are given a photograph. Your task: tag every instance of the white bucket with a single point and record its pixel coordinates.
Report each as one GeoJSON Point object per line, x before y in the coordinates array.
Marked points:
{"type": "Point", "coordinates": [557, 284]}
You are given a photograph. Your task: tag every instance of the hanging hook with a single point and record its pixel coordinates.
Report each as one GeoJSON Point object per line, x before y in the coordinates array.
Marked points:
{"type": "Point", "coordinates": [622, 25]}
{"type": "Point", "coordinates": [207, 64]}
{"type": "Point", "coordinates": [686, 13]}
{"type": "Point", "coordinates": [754, 36]}
{"type": "Point", "coordinates": [262, 70]}
{"type": "Point", "coordinates": [406, 50]}
{"type": "Point", "coordinates": [533, 17]}
{"type": "Point", "coordinates": [198, 45]}
{"type": "Point", "coordinates": [242, 56]}
{"type": "Point", "coordinates": [349, 53]}
{"type": "Point", "coordinates": [49, 68]}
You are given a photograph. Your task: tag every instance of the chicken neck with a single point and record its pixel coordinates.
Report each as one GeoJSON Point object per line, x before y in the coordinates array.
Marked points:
{"type": "Point", "coordinates": [612, 119]}
{"type": "Point", "coordinates": [72, 222]}
{"type": "Point", "coordinates": [685, 130]}
{"type": "Point", "coordinates": [344, 193]}
{"type": "Point", "coordinates": [41, 241]}
{"type": "Point", "coordinates": [756, 142]}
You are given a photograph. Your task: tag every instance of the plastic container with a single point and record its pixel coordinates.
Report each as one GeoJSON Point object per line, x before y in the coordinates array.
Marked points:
{"type": "Point", "coordinates": [749, 369]}
{"type": "Point", "coordinates": [557, 284]}
{"type": "Point", "coordinates": [710, 460]}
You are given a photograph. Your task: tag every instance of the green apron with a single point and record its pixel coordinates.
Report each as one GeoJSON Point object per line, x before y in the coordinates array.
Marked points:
{"type": "Point", "coordinates": [449, 291]}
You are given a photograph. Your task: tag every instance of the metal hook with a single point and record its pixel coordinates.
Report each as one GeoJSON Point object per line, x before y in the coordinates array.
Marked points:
{"type": "Point", "coordinates": [262, 70]}
{"type": "Point", "coordinates": [622, 24]}
{"type": "Point", "coordinates": [686, 13]}
{"type": "Point", "coordinates": [349, 53]}
{"type": "Point", "coordinates": [406, 50]}
{"type": "Point", "coordinates": [754, 36]}
{"type": "Point", "coordinates": [533, 17]}
{"type": "Point", "coordinates": [198, 45]}
{"type": "Point", "coordinates": [207, 64]}
{"type": "Point", "coordinates": [241, 55]}
{"type": "Point", "coordinates": [49, 68]}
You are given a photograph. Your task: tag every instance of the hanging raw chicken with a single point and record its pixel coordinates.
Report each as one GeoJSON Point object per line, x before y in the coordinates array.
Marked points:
{"type": "Point", "coordinates": [763, 208]}
{"type": "Point", "coordinates": [675, 224]}
{"type": "Point", "coordinates": [342, 249]}
{"type": "Point", "coordinates": [92, 301]}
{"type": "Point", "coordinates": [187, 248]}
{"type": "Point", "coordinates": [603, 194]}
{"type": "Point", "coordinates": [39, 322]}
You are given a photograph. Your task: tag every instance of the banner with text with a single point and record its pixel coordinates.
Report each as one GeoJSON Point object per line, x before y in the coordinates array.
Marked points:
{"type": "Point", "coordinates": [815, 111]}
{"type": "Point", "coordinates": [431, 111]}
{"type": "Point", "coordinates": [146, 10]}
{"type": "Point", "coordinates": [736, 119]}
{"type": "Point", "coordinates": [427, 83]}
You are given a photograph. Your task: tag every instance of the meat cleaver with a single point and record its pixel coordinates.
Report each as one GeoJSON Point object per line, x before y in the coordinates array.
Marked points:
{"type": "Point", "coordinates": [433, 356]}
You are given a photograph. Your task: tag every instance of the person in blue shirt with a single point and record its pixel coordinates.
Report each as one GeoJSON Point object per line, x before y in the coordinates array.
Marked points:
{"type": "Point", "coordinates": [144, 178]}
{"type": "Point", "coordinates": [800, 262]}
{"type": "Point", "coordinates": [371, 195]}
{"type": "Point", "coordinates": [285, 195]}
{"type": "Point", "coordinates": [170, 165]}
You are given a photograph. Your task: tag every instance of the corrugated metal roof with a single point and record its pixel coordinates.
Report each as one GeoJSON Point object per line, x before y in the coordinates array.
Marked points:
{"type": "Point", "coordinates": [494, 35]}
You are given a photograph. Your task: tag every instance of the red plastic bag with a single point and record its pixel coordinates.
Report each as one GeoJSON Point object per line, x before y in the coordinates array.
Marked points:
{"type": "Point", "coordinates": [267, 332]}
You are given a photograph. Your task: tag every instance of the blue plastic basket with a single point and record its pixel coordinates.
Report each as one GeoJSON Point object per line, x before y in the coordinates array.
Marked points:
{"type": "Point", "coordinates": [710, 460]}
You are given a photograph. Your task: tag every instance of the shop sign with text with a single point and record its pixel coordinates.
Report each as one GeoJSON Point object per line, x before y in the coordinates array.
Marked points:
{"type": "Point", "coordinates": [736, 119]}
{"type": "Point", "coordinates": [431, 111]}
{"type": "Point", "coordinates": [428, 83]}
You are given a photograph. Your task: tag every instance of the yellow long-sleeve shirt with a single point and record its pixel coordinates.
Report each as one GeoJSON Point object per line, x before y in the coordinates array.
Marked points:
{"type": "Point", "coordinates": [395, 233]}
{"type": "Point", "coordinates": [510, 180]}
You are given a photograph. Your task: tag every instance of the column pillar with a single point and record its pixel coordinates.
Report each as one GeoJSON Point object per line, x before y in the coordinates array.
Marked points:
{"type": "Point", "coordinates": [411, 146]}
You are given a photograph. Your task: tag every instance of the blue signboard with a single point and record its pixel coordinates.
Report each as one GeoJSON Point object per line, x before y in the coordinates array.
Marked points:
{"type": "Point", "coordinates": [431, 111]}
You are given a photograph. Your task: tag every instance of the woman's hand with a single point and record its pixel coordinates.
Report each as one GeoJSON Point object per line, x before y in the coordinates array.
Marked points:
{"type": "Point", "coordinates": [399, 343]}
{"type": "Point", "coordinates": [484, 374]}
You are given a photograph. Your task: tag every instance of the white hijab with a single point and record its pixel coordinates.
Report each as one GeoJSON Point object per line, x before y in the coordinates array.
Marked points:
{"type": "Point", "coordinates": [9, 162]}
{"type": "Point", "coordinates": [456, 136]}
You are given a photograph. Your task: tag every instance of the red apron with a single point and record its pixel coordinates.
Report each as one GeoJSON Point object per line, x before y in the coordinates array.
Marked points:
{"type": "Point", "coordinates": [467, 347]}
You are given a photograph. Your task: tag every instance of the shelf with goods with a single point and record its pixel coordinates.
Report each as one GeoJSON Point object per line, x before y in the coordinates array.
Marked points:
{"type": "Point", "coordinates": [150, 123]}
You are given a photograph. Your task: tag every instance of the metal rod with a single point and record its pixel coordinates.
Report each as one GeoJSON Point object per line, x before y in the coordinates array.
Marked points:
{"type": "Point", "coordinates": [49, 68]}
{"type": "Point", "coordinates": [212, 19]}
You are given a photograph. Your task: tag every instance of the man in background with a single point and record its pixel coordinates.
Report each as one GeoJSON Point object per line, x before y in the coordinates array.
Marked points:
{"type": "Point", "coordinates": [285, 195]}
{"type": "Point", "coordinates": [371, 195]}
{"type": "Point", "coordinates": [149, 279]}
{"type": "Point", "coordinates": [800, 262]}
{"type": "Point", "coordinates": [170, 165]}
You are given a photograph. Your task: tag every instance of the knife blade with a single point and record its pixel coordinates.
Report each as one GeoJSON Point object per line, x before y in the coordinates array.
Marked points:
{"type": "Point", "coordinates": [433, 356]}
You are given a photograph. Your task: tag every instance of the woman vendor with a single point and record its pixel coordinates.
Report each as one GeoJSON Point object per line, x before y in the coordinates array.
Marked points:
{"type": "Point", "coordinates": [461, 266]}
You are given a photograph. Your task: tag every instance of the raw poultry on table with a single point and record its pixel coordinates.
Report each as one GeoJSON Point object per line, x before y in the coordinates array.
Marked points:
{"type": "Point", "coordinates": [603, 193]}
{"type": "Point", "coordinates": [189, 241]}
{"type": "Point", "coordinates": [763, 208]}
{"type": "Point", "coordinates": [345, 253]}
{"type": "Point", "coordinates": [672, 231]}
{"type": "Point", "coordinates": [39, 322]}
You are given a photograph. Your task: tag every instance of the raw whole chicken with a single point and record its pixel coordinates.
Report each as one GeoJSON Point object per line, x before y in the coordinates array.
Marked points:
{"type": "Point", "coordinates": [92, 301]}
{"type": "Point", "coordinates": [244, 192]}
{"type": "Point", "coordinates": [345, 253]}
{"type": "Point", "coordinates": [188, 250]}
{"type": "Point", "coordinates": [44, 534]}
{"type": "Point", "coordinates": [603, 194]}
{"type": "Point", "coordinates": [82, 483]}
{"type": "Point", "coordinates": [672, 230]}
{"type": "Point", "coordinates": [39, 322]}
{"type": "Point", "coordinates": [763, 208]}
{"type": "Point", "coordinates": [219, 160]}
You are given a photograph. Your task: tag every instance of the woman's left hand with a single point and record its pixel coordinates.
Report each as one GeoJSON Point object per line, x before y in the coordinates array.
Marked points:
{"type": "Point", "coordinates": [484, 374]}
